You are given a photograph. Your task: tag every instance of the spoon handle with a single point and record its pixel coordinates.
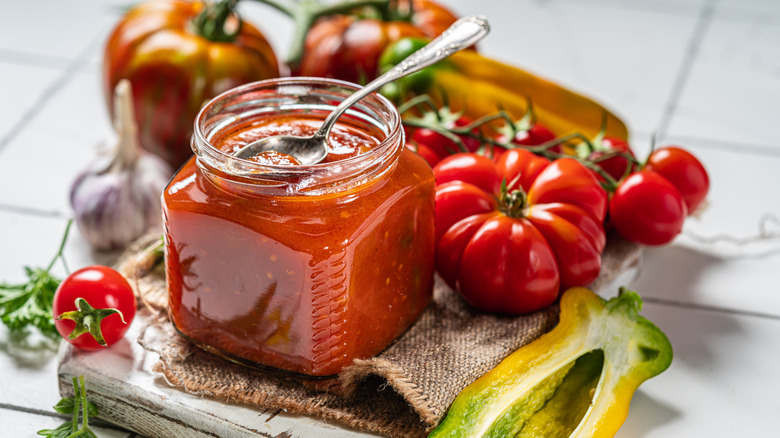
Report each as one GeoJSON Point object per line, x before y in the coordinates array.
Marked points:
{"type": "Point", "coordinates": [463, 33]}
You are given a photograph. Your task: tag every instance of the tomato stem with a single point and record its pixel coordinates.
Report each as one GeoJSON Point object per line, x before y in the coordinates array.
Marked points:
{"type": "Point", "coordinates": [88, 320]}
{"type": "Point", "coordinates": [512, 203]}
{"type": "Point", "coordinates": [306, 12]}
{"type": "Point", "coordinates": [59, 254]}
{"type": "Point", "coordinates": [210, 22]}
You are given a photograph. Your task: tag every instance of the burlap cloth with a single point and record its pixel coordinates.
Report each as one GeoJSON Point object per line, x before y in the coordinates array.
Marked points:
{"type": "Point", "coordinates": [403, 392]}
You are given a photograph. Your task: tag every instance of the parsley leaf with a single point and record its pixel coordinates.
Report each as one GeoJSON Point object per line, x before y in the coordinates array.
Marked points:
{"type": "Point", "coordinates": [30, 304]}
{"type": "Point", "coordinates": [78, 404]}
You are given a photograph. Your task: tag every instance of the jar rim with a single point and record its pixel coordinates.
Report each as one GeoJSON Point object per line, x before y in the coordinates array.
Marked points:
{"type": "Point", "coordinates": [246, 168]}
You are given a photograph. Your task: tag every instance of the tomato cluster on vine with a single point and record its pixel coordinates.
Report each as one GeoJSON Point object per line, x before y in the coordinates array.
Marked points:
{"type": "Point", "coordinates": [521, 213]}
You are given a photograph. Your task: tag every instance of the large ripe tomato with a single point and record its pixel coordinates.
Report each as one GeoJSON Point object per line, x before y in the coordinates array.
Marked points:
{"type": "Point", "coordinates": [511, 250]}
{"type": "Point", "coordinates": [175, 66]}
{"type": "Point", "coordinates": [684, 171]}
{"type": "Point", "coordinates": [646, 208]}
{"type": "Point", "coordinates": [348, 47]}
{"type": "Point", "coordinates": [102, 288]}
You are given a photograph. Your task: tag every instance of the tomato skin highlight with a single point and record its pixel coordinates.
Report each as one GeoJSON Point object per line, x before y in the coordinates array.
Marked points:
{"type": "Point", "coordinates": [510, 251]}
{"type": "Point", "coordinates": [496, 264]}
{"type": "Point", "coordinates": [455, 200]}
{"type": "Point", "coordinates": [646, 208]}
{"type": "Point", "coordinates": [684, 171]}
{"type": "Point", "coordinates": [521, 167]}
{"type": "Point", "coordinates": [349, 47]}
{"type": "Point", "coordinates": [174, 70]}
{"type": "Point", "coordinates": [102, 287]}
{"type": "Point", "coordinates": [471, 168]}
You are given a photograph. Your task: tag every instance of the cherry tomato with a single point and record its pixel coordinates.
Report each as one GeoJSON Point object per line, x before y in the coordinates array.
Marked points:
{"type": "Point", "coordinates": [646, 208]}
{"type": "Point", "coordinates": [616, 166]}
{"type": "Point", "coordinates": [536, 135]}
{"type": "Point", "coordinates": [102, 288]}
{"type": "Point", "coordinates": [442, 145]}
{"type": "Point", "coordinates": [512, 250]}
{"type": "Point", "coordinates": [424, 151]}
{"type": "Point", "coordinates": [471, 168]}
{"type": "Point", "coordinates": [684, 171]}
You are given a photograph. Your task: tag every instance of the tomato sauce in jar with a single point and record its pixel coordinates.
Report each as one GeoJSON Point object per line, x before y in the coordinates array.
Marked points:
{"type": "Point", "coordinates": [299, 268]}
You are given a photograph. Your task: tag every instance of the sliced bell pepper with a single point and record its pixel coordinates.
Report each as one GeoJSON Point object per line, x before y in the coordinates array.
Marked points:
{"type": "Point", "coordinates": [478, 86]}
{"type": "Point", "coordinates": [575, 381]}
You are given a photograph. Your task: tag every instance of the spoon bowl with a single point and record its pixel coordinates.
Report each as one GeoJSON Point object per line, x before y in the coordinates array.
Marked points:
{"type": "Point", "coordinates": [313, 149]}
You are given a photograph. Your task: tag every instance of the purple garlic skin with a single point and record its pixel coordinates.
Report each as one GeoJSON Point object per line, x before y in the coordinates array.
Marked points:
{"type": "Point", "coordinates": [114, 205]}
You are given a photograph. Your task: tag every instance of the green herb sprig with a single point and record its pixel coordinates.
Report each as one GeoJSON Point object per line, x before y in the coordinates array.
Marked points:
{"type": "Point", "coordinates": [30, 304]}
{"type": "Point", "coordinates": [77, 406]}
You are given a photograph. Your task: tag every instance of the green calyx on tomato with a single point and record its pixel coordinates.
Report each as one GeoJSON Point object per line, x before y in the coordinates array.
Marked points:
{"type": "Point", "coordinates": [163, 49]}
{"type": "Point", "coordinates": [88, 320]}
{"type": "Point", "coordinates": [211, 22]}
{"type": "Point", "coordinates": [94, 307]}
{"type": "Point", "coordinates": [345, 40]}
{"type": "Point", "coordinates": [511, 247]}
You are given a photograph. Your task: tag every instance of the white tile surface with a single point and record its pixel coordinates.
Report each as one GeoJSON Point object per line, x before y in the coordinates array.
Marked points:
{"type": "Point", "coordinates": [76, 125]}
{"type": "Point", "coordinates": [722, 381]}
{"type": "Point", "coordinates": [57, 30]}
{"type": "Point", "coordinates": [731, 93]}
{"type": "Point", "coordinates": [592, 48]}
{"type": "Point", "coordinates": [20, 88]}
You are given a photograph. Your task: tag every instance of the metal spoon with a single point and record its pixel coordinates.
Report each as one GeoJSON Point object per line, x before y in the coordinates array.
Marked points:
{"type": "Point", "coordinates": [311, 150]}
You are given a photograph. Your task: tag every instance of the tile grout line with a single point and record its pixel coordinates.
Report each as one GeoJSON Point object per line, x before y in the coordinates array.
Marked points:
{"type": "Point", "coordinates": [726, 145]}
{"type": "Point", "coordinates": [51, 90]}
{"type": "Point", "coordinates": [702, 24]}
{"type": "Point", "coordinates": [29, 211]}
{"type": "Point", "coordinates": [28, 59]}
{"type": "Point", "coordinates": [673, 303]}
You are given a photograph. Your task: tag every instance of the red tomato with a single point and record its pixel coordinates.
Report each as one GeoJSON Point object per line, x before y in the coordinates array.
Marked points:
{"type": "Point", "coordinates": [536, 135]}
{"type": "Point", "coordinates": [348, 47]}
{"type": "Point", "coordinates": [512, 252]}
{"type": "Point", "coordinates": [175, 66]}
{"type": "Point", "coordinates": [684, 171]}
{"type": "Point", "coordinates": [471, 168]}
{"type": "Point", "coordinates": [646, 208]}
{"type": "Point", "coordinates": [442, 145]}
{"type": "Point", "coordinates": [424, 151]}
{"type": "Point", "coordinates": [102, 288]}
{"type": "Point", "coordinates": [616, 166]}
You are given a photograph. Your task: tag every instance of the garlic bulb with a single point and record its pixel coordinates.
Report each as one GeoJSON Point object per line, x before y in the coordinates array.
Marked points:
{"type": "Point", "coordinates": [117, 199]}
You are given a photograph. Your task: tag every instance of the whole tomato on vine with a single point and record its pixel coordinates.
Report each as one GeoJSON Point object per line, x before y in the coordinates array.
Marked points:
{"type": "Point", "coordinates": [345, 40]}
{"type": "Point", "coordinates": [511, 234]}
{"type": "Point", "coordinates": [649, 206]}
{"type": "Point", "coordinates": [178, 54]}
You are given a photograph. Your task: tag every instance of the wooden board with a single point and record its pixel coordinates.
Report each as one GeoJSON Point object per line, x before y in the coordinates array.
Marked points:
{"type": "Point", "coordinates": [121, 382]}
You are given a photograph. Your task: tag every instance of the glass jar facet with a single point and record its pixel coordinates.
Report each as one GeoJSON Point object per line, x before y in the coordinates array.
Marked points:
{"type": "Point", "coordinates": [299, 268]}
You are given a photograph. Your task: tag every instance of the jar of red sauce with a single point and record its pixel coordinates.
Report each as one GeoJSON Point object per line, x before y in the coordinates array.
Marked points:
{"type": "Point", "coordinates": [298, 268]}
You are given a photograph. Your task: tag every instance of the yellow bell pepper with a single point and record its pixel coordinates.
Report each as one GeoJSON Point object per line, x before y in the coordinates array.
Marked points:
{"type": "Point", "coordinates": [575, 381]}
{"type": "Point", "coordinates": [479, 86]}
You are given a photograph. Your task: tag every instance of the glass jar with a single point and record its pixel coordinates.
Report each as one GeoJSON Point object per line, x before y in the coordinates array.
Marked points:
{"type": "Point", "coordinates": [298, 268]}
